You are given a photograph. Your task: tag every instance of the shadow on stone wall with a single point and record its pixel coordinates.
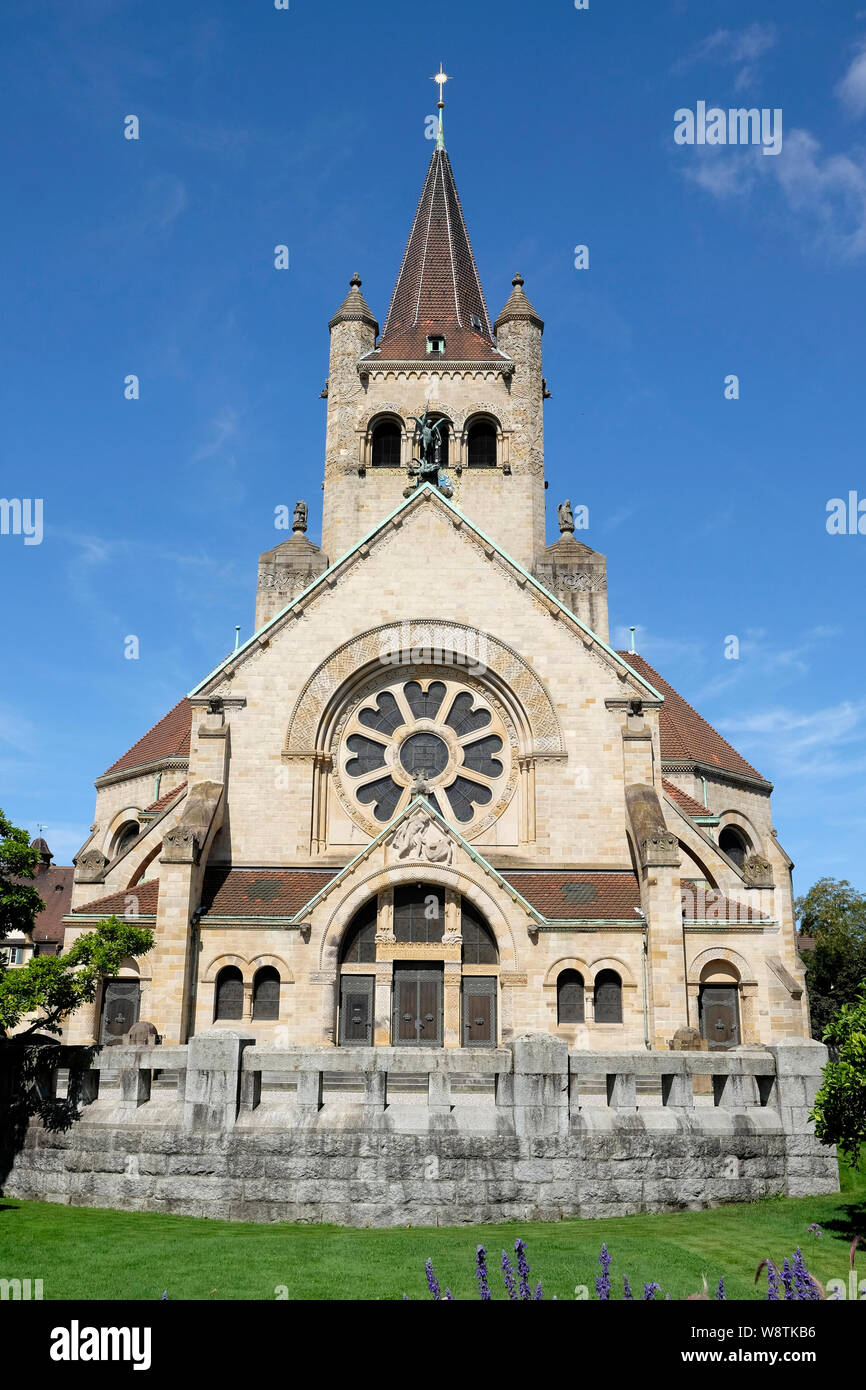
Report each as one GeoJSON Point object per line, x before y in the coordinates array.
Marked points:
{"type": "Point", "coordinates": [28, 1086]}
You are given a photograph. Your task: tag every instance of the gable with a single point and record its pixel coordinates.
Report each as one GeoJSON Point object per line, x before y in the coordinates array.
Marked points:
{"type": "Point", "coordinates": [476, 583]}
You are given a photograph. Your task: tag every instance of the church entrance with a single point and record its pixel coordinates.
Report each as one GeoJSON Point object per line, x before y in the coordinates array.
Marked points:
{"type": "Point", "coordinates": [417, 1005]}
{"type": "Point", "coordinates": [435, 955]}
{"type": "Point", "coordinates": [121, 1000]}
{"type": "Point", "coordinates": [719, 1016]}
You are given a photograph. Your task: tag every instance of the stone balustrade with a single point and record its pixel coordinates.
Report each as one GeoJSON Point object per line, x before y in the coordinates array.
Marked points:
{"type": "Point", "coordinates": [537, 1085]}
{"type": "Point", "coordinates": [390, 1136]}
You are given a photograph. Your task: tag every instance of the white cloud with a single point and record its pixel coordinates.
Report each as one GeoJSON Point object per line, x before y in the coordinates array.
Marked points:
{"type": "Point", "coordinates": [851, 91]}
{"type": "Point", "coordinates": [826, 744]}
{"type": "Point", "coordinates": [828, 191]}
{"type": "Point", "coordinates": [734, 48]}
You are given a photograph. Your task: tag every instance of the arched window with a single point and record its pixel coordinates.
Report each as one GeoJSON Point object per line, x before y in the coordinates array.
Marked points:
{"type": "Point", "coordinates": [125, 836]}
{"type": "Point", "coordinates": [608, 997]}
{"type": "Point", "coordinates": [359, 943]}
{"type": "Point", "coordinates": [481, 444]}
{"type": "Point", "coordinates": [387, 440]}
{"type": "Point", "coordinates": [229, 993]}
{"type": "Point", "coordinates": [266, 993]}
{"type": "Point", "coordinates": [734, 844]}
{"type": "Point", "coordinates": [479, 943]}
{"type": "Point", "coordinates": [569, 997]}
{"type": "Point", "coordinates": [419, 913]}
{"type": "Point", "coordinates": [440, 440]}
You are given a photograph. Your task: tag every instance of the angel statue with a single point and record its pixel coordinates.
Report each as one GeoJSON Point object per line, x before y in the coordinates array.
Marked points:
{"type": "Point", "coordinates": [425, 468]}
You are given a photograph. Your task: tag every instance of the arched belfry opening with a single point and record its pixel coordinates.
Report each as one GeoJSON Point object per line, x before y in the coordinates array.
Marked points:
{"type": "Point", "coordinates": [419, 966]}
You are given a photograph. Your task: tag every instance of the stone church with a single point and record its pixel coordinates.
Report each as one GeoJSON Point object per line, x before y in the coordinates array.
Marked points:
{"type": "Point", "coordinates": [443, 812]}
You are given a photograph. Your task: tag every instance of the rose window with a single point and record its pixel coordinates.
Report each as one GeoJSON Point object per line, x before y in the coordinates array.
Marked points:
{"type": "Point", "coordinates": [433, 737]}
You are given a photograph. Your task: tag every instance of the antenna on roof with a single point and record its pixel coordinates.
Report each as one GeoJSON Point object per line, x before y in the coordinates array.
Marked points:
{"type": "Point", "coordinates": [237, 635]}
{"type": "Point", "coordinates": [632, 631]}
{"type": "Point", "coordinates": [441, 77]}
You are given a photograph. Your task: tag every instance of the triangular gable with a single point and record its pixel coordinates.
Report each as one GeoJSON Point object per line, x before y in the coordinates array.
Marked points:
{"type": "Point", "coordinates": [418, 803]}
{"type": "Point", "coordinates": [424, 493]}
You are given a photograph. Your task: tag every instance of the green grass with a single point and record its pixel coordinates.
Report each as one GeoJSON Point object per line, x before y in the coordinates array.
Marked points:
{"type": "Point", "coordinates": [85, 1253]}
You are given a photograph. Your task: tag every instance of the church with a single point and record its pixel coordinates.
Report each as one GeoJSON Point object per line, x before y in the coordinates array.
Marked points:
{"type": "Point", "coordinates": [448, 813]}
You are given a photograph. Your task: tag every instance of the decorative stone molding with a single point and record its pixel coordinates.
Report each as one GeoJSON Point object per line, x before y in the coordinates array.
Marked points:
{"type": "Point", "coordinates": [90, 866]}
{"type": "Point", "coordinates": [180, 845]}
{"type": "Point", "coordinates": [757, 872]}
{"type": "Point", "coordinates": [420, 838]}
{"type": "Point", "coordinates": [660, 849]}
{"type": "Point", "coordinates": [506, 673]}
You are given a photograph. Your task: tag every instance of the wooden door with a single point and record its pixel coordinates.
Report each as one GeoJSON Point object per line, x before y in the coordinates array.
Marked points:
{"type": "Point", "coordinates": [479, 1011]}
{"type": "Point", "coordinates": [720, 1022]}
{"type": "Point", "coordinates": [417, 1012]}
{"type": "Point", "coordinates": [356, 1010]}
{"type": "Point", "coordinates": [121, 1000]}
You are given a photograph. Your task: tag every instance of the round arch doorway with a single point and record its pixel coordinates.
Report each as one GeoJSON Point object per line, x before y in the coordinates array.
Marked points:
{"type": "Point", "coordinates": [444, 968]}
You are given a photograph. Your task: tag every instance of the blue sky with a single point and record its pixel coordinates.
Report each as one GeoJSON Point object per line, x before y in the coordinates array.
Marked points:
{"type": "Point", "coordinates": [306, 127]}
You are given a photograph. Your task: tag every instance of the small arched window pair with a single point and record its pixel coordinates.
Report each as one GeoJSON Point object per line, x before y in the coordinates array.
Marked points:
{"type": "Point", "coordinates": [229, 994]}
{"type": "Point", "coordinates": [570, 996]}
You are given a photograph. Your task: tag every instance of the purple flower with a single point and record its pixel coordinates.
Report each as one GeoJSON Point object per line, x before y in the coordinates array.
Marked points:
{"type": "Point", "coordinates": [814, 1229]}
{"type": "Point", "coordinates": [481, 1273]}
{"type": "Point", "coordinates": [602, 1281]}
{"type": "Point", "coordinates": [720, 1291]}
{"type": "Point", "coordinates": [522, 1270]}
{"type": "Point", "coordinates": [432, 1281]}
{"type": "Point", "coordinates": [803, 1284]}
{"type": "Point", "coordinates": [164, 1296]}
{"type": "Point", "coordinates": [539, 1292]}
{"type": "Point", "coordinates": [626, 1288]}
{"type": "Point", "coordinates": [772, 1283]}
{"type": "Point", "coordinates": [449, 1295]}
{"type": "Point", "coordinates": [508, 1273]}
{"type": "Point", "coordinates": [788, 1281]}
{"type": "Point", "coordinates": [650, 1291]}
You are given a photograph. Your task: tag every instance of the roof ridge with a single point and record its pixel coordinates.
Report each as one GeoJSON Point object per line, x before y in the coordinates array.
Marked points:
{"type": "Point", "coordinates": [177, 744]}
{"type": "Point", "coordinates": [670, 707]}
{"type": "Point", "coordinates": [425, 492]}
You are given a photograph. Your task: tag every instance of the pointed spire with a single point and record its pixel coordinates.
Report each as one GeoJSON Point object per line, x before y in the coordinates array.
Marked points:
{"type": "Point", "coordinates": [518, 306]}
{"type": "Point", "coordinates": [354, 307]}
{"type": "Point", "coordinates": [438, 290]}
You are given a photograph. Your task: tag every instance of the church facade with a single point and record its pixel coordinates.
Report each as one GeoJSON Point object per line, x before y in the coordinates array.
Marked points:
{"type": "Point", "coordinates": [439, 813]}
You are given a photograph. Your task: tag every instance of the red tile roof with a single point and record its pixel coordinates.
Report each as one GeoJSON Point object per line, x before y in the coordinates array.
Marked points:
{"type": "Point", "coordinates": [53, 883]}
{"type": "Point", "coordinates": [685, 736]}
{"type": "Point", "coordinates": [165, 800]}
{"type": "Point", "coordinates": [146, 893]}
{"type": "Point", "coordinates": [702, 903]}
{"type": "Point", "coordinates": [438, 288]}
{"type": "Point", "coordinates": [231, 892]}
{"type": "Point", "coordinates": [689, 805]}
{"type": "Point", "coordinates": [167, 739]}
{"type": "Point", "coordinates": [579, 896]}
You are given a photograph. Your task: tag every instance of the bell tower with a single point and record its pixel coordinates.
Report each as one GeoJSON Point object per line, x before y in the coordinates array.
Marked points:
{"type": "Point", "coordinates": [479, 384]}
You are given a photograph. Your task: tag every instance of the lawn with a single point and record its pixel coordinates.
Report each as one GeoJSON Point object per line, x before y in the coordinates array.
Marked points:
{"type": "Point", "coordinates": [84, 1253]}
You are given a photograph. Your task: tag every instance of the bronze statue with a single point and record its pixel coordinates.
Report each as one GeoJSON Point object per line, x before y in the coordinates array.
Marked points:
{"type": "Point", "coordinates": [425, 469]}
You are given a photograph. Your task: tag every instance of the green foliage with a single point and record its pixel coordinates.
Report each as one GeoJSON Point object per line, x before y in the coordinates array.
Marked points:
{"type": "Point", "coordinates": [57, 985]}
{"type": "Point", "coordinates": [840, 1105]}
{"type": "Point", "coordinates": [835, 914]}
{"type": "Point", "coordinates": [86, 1251]}
{"type": "Point", "coordinates": [19, 903]}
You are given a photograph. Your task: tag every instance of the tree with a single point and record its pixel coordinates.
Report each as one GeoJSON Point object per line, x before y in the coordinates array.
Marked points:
{"type": "Point", "coordinates": [58, 985]}
{"type": "Point", "coordinates": [840, 1105]}
{"type": "Point", "coordinates": [835, 914]}
{"type": "Point", "coordinates": [19, 903]}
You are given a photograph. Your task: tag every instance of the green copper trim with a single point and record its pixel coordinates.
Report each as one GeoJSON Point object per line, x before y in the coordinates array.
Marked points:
{"type": "Point", "coordinates": [380, 526]}
{"type": "Point", "coordinates": [420, 801]}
